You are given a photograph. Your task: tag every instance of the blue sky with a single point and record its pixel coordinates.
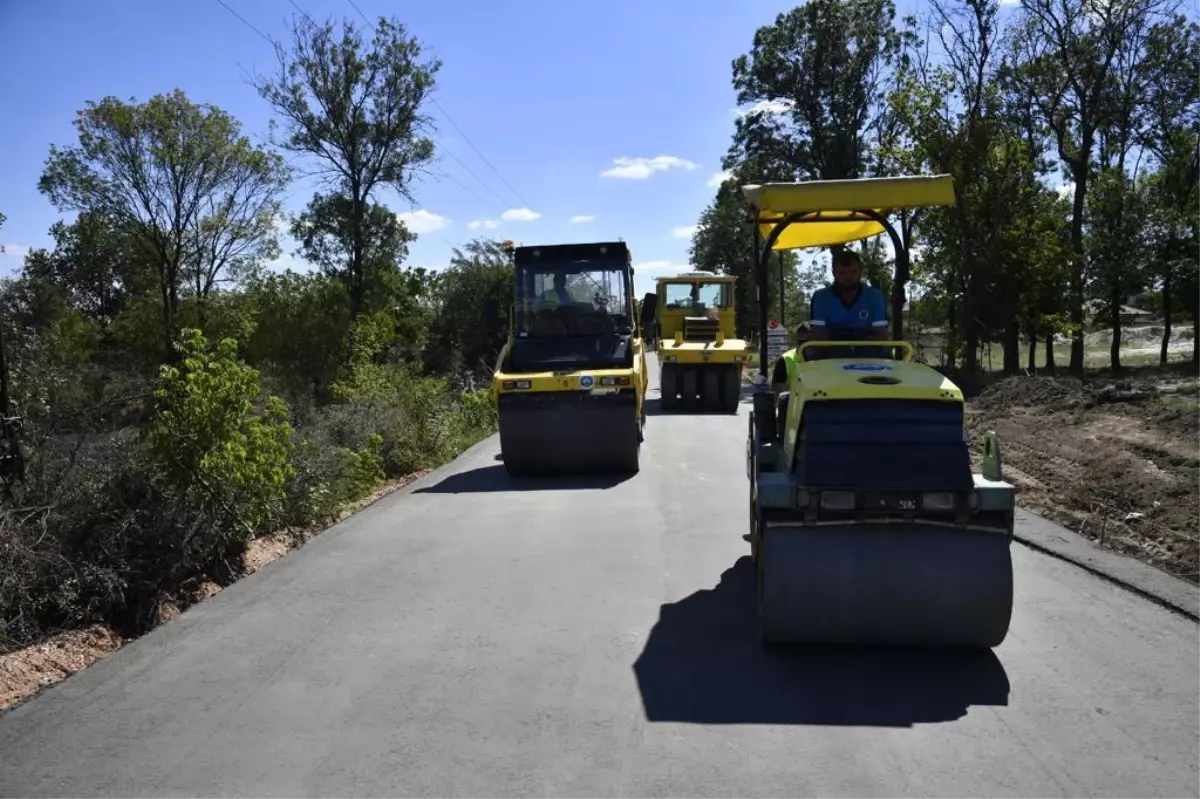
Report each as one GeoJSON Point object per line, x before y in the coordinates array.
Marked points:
{"type": "Point", "coordinates": [616, 112]}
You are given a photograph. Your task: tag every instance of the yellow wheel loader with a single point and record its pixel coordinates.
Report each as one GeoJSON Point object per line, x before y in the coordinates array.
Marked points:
{"type": "Point", "coordinates": [867, 525]}
{"type": "Point", "coordinates": [570, 381]}
{"type": "Point", "coordinates": [700, 359]}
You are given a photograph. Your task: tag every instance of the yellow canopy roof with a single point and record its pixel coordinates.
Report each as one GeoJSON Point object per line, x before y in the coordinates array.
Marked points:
{"type": "Point", "coordinates": [834, 207]}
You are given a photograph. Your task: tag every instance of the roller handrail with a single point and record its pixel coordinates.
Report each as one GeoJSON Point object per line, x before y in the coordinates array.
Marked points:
{"type": "Point", "coordinates": [909, 350]}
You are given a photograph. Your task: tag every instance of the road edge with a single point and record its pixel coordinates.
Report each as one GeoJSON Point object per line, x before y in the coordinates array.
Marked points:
{"type": "Point", "coordinates": [1137, 576]}
{"type": "Point", "coordinates": [298, 539]}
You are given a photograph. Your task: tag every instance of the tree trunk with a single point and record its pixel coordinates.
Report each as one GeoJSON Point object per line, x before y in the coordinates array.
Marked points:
{"type": "Point", "coordinates": [1196, 341]}
{"type": "Point", "coordinates": [1164, 351]}
{"type": "Point", "coordinates": [899, 285]}
{"type": "Point", "coordinates": [13, 464]}
{"type": "Point", "coordinates": [970, 330]}
{"type": "Point", "coordinates": [1033, 354]}
{"type": "Point", "coordinates": [1012, 349]}
{"type": "Point", "coordinates": [1077, 261]}
{"type": "Point", "coordinates": [1114, 349]}
{"type": "Point", "coordinates": [1051, 366]}
{"type": "Point", "coordinates": [950, 339]}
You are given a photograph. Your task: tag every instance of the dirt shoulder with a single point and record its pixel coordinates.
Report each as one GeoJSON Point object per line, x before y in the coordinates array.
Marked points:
{"type": "Point", "coordinates": [1116, 461]}
{"type": "Point", "coordinates": [26, 671]}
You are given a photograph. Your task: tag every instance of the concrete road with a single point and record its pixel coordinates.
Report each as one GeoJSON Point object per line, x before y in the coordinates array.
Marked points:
{"type": "Point", "coordinates": [474, 637]}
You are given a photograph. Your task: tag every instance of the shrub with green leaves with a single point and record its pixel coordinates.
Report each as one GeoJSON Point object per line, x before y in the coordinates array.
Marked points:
{"type": "Point", "coordinates": [211, 445]}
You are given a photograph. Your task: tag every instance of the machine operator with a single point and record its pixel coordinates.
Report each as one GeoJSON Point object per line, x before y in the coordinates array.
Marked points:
{"type": "Point", "coordinates": [848, 303]}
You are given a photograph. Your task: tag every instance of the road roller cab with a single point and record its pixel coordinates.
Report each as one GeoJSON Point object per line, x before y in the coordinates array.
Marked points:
{"type": "Point", "coordinates": [570, 380]}
{"type": "Point", "coordinates": [867, 523]}
{"type": "Point", "coordinates": [699, 355]}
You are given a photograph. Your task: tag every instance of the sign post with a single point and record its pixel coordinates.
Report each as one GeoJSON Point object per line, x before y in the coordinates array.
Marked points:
{"type": "Point", "coordinates": [777, 342]}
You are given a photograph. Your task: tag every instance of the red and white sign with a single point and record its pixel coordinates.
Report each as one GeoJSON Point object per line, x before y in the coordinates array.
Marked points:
{"type": "Point", "coordinates": [777, 340]}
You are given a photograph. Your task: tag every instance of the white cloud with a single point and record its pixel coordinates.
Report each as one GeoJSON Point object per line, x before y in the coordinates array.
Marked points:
{"type": "Point", "coordinates": [486, 224]}
{"type": "Point", "coordinates": [1010, 2]}
{"type": "Point", "coordinates": [642, 168]}
{"type": "Point", "coordinates": [718, 178]}
{"type": "Point", "coordinates": [520, 215]}
{"type": "Point", "coordinates": [15, 250]}
{"type": "Point", "coordinates": [765, 107]}
{"type": "Point", "coordinates": [684, 232]}
{"type": "Point", "coordinates": [582, 218]}
{"type": "Point", "coordinates": [422, 221]}
{"type": "Point", "coordinates": [1066, 190]}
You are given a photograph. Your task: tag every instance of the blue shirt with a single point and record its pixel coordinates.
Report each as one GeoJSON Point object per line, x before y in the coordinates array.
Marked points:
{"type": "Point", "coordinates": [867, 310]}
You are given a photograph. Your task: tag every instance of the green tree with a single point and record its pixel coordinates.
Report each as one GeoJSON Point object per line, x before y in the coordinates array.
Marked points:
{"type": "Point", "coordinates": [97, 265]}
{"type": "Point", "coordinates": [213, 450]}
{"type": "Point", "coordinates": [815, 80]}
{"type": "Point", "coordinates": [180, 177]}
{"type": "Point", "coordinates": [479, 271]}
{"type": "Point", "coordinates": [724, 244]}
{"type": "Point", "coordinates": [953, 112]}
{"type": "Point", "coordinates": [1116, 246]}
{"type": "Point", "coordinates": [1172, 110]}
{"type": "Point", "coordinates": [355, 110]}
{"type": "Point", "coordinates": [1068, 51]}
{"type": "Point", "coordinates": [302, 321]}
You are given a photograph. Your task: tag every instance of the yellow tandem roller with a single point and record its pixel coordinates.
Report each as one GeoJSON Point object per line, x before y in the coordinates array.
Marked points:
{"type": "Point", "coordinates": [569, 383]}
{"type": "Point", "coordinates": [867, 524]}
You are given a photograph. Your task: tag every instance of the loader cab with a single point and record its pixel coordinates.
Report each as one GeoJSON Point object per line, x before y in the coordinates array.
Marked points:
{"type": "Point", "coordinates": [573, 307]}
{"type": "Point", "coordinates": [696, 305]}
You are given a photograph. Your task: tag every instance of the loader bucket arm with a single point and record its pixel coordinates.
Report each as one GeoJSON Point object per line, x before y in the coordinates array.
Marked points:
{"type": "Point", "coordinates": [827, 213]}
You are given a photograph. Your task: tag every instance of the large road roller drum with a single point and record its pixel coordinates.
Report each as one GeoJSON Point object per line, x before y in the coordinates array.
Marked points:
{"type": "Point", "coordinates": [888, 584]}
{"type": "Point", "coordinates": [569, 432]}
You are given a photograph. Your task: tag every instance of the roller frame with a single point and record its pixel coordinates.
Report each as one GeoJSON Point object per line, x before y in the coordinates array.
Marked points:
{"type": "Point", "coordinates": [907, 577]}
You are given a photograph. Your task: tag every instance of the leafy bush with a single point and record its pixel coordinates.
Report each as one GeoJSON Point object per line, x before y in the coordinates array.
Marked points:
{"type": "Point", "coordinates": [228, 462]}
{"type": "Point", "coordinates": [124, 505]}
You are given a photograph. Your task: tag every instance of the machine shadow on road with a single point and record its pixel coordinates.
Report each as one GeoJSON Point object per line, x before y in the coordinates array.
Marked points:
{"type": "Point", "coordinates": [703, 664]}
{"type": "Point", "coordinates": [495, 478]}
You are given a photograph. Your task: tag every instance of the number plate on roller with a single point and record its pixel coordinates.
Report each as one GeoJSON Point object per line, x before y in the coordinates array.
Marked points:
{"type": "Point", "coordinates": [893, 501]}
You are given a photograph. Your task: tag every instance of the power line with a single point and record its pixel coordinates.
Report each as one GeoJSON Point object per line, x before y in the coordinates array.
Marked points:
{"type": "Point", "coordinates": [477, 152]}
{"type": "Point", "coordinates": [442, 146]}
{"type": "Point", "coordinates": [360, 13]}
{"type": "Point", "coordinates": [466, 138]}
{"type": "Point", "coordinates": [269, 40]}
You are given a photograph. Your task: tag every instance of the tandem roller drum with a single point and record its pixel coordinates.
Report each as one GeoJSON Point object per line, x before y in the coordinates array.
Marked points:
{"type": "Point", "coordinates": [569, 433]}
{"type": "Point", "coordinates": [885, 584]}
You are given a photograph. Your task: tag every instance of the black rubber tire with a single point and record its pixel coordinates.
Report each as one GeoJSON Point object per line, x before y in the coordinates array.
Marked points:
{"type": "Point", "coordinates": [688, 388]}
{"type": "Point", "coordinates": [875, 584]}
{"type": "Point", "coordinates": [669, 387]}
{"type": "Point", "coordinates": [712, 388]}
{"type": "Point", "coordinates": [731, 389]}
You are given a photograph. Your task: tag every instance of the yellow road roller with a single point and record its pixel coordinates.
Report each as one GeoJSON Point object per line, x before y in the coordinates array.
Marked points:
{"type": "Point", "coordinates": [867, 523]}
{"type": "Point", "coordinates": [570, 381]}
{"type": "Point", "coordinates": [699, 355]}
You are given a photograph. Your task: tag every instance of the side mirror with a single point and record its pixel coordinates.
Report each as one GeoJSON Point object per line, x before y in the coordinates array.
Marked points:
{"type": "Point", "coordinates": [491, 313]}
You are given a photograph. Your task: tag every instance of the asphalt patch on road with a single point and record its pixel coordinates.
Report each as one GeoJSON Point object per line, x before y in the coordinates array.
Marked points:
{"type": "Point", "coordinates": [703, 663]}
